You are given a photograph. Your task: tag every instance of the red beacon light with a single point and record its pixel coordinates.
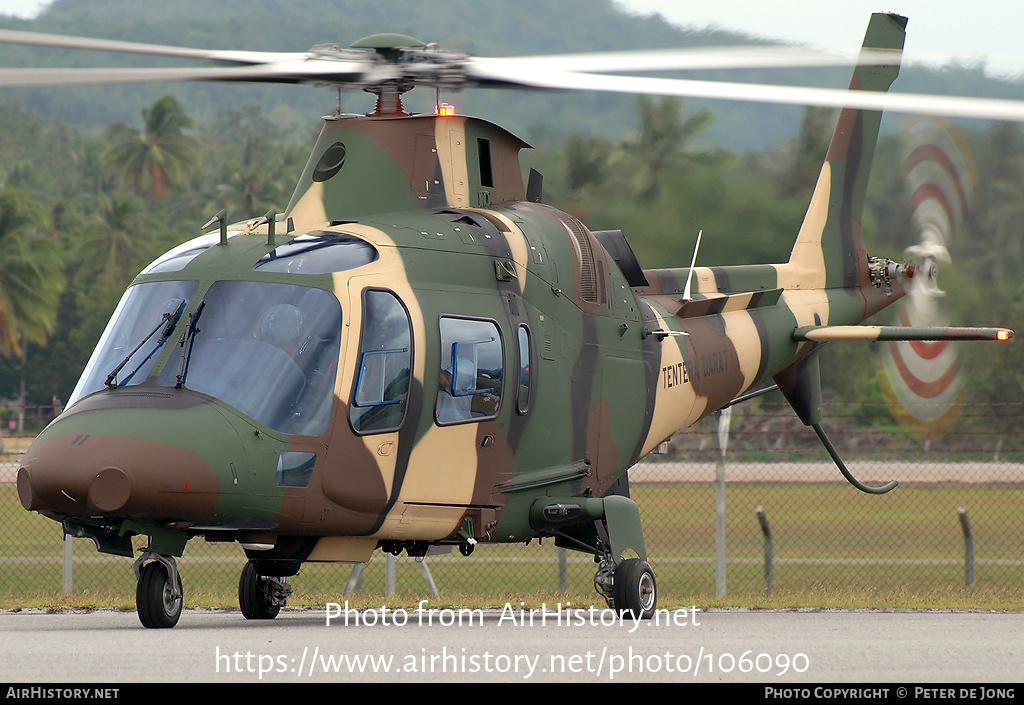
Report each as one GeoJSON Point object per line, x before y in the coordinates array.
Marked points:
{"type": "Point", "coordinates": [444, 109]}
{"type": "Point", "coordinates": [1003, 334]}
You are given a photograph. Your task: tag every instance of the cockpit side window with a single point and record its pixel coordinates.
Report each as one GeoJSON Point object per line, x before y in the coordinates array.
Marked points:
{"type": "Point", "coordinates": [472, 367]}
{"type": "Point", "coordinates": [144, 323]}
{"type": "Point", "coordinates": [385, 359]}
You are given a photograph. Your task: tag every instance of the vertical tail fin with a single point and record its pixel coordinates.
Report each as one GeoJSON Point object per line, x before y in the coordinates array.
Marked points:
{"type": "Point", "coordinates": [830, 241]}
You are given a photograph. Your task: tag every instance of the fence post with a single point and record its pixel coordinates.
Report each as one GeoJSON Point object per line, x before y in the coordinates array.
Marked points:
{"type": "Point", "coordinates": [965, 526]}
{"type": "Point", "coordinates": [563, 571]}
{"type": "Point", "coordinates": [389, 574]}
{"type": "Point", "coordinates": [724, 417]}
{"type": "Point", "coordinates": [69, 571]}
{"type": "Point", "coordinates": [769, 553]}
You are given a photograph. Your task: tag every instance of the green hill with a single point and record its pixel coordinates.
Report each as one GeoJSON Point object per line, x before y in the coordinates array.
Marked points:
{"type": "Point", "coordinates": [481, 27]}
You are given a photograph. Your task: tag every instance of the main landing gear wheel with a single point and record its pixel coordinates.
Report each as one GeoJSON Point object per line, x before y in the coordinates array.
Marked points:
{"type": "Point", "coordinates": [158, 596]}
{"type": "Point", "coordinates": [261, 596]}
{"type": "Point", "coordinates": [634, 589]}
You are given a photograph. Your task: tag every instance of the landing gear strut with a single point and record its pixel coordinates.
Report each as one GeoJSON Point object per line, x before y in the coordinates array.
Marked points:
{"type": "Point", "coordinates": [609, 527]}
{"type": "Point", "coordinates": [261, 596]}
{"type": "Point", "coordinates": [158, 593]}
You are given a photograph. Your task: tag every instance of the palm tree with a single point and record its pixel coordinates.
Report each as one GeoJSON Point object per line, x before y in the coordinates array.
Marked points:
{"type": "Point", "coordinates": [31, 272]}
{"type": "Point", "coordinates": [31, 278]}
{"type": "Point", "coordinates": [664, 139]}
{"type": "Point", "coordinates": [112, 243]}
{"type": "Point", "coordinates": [257, 181]}
{"type": "Point", "coordinates": [250, 164]}
{"type": "Point", "coordinates": [586, 161]}
{"type": "Point", "coordinates": [156, 158]}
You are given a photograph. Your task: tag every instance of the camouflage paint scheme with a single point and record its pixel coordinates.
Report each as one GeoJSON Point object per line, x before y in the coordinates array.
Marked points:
{"type": "Point", "coordinates": [616, 364]}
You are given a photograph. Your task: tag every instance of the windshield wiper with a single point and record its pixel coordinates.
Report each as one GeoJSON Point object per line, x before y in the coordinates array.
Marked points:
{"type": "Point", "coordinates": [169, 320]}
{"type": "Point", "coordinates": [189, 338]}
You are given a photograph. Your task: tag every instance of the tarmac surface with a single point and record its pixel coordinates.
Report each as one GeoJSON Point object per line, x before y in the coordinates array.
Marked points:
{"type": "Point", "coordinates": [878, 649]}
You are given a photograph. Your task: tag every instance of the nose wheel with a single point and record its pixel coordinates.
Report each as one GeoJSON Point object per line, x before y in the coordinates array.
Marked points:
{"type": "Point", "coordinates": [158, 593]}
{"type": "Point", "coordinates": [634, 589]}
{"type": "Point", "coordinates": [629, 587]}
{"type": "Point", "coordinates": [261, 596]}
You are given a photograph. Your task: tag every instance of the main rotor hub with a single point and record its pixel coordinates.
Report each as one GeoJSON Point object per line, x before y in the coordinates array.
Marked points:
{"type": "Point", "coordinates": [412, 62]}
{"type": "Point", "coordinates": [388, 45]}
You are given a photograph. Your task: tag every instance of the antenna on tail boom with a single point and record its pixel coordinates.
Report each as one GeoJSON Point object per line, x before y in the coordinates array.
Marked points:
{"type": "Point", "coordinates": [693, 262]}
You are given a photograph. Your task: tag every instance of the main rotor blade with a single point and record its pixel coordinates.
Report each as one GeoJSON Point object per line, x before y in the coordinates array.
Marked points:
{"type": "Point", "coordinates": [491, 73]}
{"type": "Point", "coordinates": [10, 36]}
{"type": "Point", "coordinates": [565, 72]}
{"type": "Point", "coordinates": [737, 57]}
{"type": "Point", "coordinates": [613, 62]}
{"type": "Point", "coordinates": [309, 71]}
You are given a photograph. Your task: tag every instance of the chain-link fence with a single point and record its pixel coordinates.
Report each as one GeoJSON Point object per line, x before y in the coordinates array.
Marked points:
{"type": "Point", "coordinates": [782, 519]}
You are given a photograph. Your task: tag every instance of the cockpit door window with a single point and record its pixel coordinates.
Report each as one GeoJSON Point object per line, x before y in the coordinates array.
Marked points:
{"type": "Point", "coordinates": [385, 359]}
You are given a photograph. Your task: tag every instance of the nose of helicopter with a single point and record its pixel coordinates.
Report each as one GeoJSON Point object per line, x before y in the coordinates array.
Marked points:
{"type": "Point", "coordinates": [144, 463]}
{"type": "Point", "coordinates": [107, 490]}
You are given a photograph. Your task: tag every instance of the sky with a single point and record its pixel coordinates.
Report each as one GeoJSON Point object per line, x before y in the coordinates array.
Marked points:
{"type": "Point", "coordinates": [989, 30]}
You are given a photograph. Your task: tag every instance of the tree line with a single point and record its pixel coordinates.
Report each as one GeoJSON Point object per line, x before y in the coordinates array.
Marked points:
{"type": "Point", "coordinates": [82, 213]}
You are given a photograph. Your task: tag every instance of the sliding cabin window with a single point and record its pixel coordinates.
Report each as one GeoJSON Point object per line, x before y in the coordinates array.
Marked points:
{"type": "Point", "coordinates": [472, 364]}
{"type": "Point", "coordinates": [525, 365]}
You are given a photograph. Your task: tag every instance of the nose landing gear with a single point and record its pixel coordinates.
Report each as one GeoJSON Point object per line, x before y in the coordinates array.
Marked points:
{"type": "Point", "coordinates": [158, 593]}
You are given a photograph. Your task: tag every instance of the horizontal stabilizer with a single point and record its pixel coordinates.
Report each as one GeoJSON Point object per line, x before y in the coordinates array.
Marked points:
{"type": "Point", "coordinates": [715, 304]}
{"type": "Point", "coordinates": [824, 334]}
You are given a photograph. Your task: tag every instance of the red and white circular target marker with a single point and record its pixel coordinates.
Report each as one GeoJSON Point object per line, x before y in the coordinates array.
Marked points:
{"type": "Point", "coordinates": [925, 378]}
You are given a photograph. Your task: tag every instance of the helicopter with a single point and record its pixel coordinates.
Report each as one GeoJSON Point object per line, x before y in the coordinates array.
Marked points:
{"type": "Point", "coordinates": [419, 353]}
